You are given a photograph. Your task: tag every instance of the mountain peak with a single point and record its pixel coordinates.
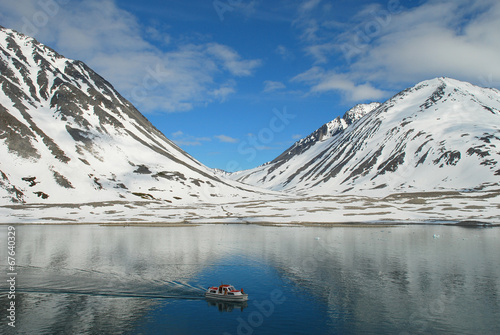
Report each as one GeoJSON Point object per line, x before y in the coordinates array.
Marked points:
{"type": "Point", "coordinates": [459, 85]}
{"type": "Point", "coordinates": [330, 129]}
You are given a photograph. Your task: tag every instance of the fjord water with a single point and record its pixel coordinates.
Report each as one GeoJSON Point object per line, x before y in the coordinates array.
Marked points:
{"type": "Point", "coordinates": [89, 279]}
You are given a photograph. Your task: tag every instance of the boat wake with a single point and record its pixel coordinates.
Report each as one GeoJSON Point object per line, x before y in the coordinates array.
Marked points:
{"type": "Point", "coordinates": [38, 280]}
{"type": "Point", "coordinates": [113, 294]}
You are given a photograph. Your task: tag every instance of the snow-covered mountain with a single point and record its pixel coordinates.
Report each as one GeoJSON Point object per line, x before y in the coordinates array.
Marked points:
{"type": "Point", "coordinates": [441, 134]}
{"type": "Point", "coordinates": [66, 135]}
{"type": "Point", "coordinates": [331, 128]}
{"type": "Point", "coordinates": [325, 132]}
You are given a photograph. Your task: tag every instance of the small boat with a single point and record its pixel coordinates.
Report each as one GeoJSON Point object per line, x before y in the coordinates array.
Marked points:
{"type": "Point", "coordinates": [226, 293]}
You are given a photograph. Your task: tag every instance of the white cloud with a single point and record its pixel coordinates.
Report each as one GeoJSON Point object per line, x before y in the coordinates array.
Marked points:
{"type": "Point", "coordinates": [222, 92]}
{"type": "Point", "coordinates": [387, 45]}
{"type": "Point", "coordinates": [321, 53]}
{"type": "Point", "coordinates": [182, 139]}
{"type": "Point", "coordinates": [272, 86]}
{"type": "Point", "coordinates": [454, 39]}
{"type": "Point", "coordinates": [112, 42]}
{"type": "Point", "coordinates": [321, 81]}
{"type": "Point", "coordinates": [231, 60]}
{"type": "Point", "coordinates": [226, 139]}
{"type": "Point", "coordinates": [247, 7]}
{"type": "Point", "coordinates": [309, 5]}
{"type": "Point", "coordinates": [284, 52]}
{"type": "Point", "coordinates": [158, 35]}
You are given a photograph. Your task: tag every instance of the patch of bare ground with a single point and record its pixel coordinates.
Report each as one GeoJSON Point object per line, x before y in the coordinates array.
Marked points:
{"type": "Point", "coordinates": [474, 207]}
{"type": "Point", "coordinates": [251, 204]}
{"type": "Point", "coordinates": [54, 219]}
{"type": "Point", "coordinates": [419, 195]}
{"type": "Point", "coordinates": [382, 206]}
{"type": "Point", "coordinates": [112, 212]}
{"type": "Point", "coordinates": [488, 194]}
{"type": "Point", "coordinates": [279, 209]}
{"type": "Point", "coordinates": [147, 224]}
{"type": "Point", "coordinates": [348, 224]}
{"type": "Point", "coordinates": [355, 208]}
{"type": "Point", "coordinates": [364, 213]}
{"type": "Point", "coordinates": [325, 209]}
{"type": "Point", "coordinates": [416, 201]}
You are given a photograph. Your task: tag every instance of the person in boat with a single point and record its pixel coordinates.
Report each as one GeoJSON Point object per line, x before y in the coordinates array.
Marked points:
{"type": "Point", "coordinates": [222, 289]}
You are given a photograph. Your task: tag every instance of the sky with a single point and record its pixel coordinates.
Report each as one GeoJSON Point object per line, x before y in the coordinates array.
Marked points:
{"type": "Point", "coordinates": [236, 82]}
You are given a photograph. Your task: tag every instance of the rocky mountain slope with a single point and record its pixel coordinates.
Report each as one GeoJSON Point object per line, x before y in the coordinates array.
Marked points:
{"type": "Point", "coordinates": [66, 135]}
{"type": "Point", "coordinates": [440, 135]}
{"type": "Point", "coordinates": [328, 130]}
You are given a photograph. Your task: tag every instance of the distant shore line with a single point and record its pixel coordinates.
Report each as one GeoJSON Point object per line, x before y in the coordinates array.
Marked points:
{"type": "Point", "coordinates": [465, 224]}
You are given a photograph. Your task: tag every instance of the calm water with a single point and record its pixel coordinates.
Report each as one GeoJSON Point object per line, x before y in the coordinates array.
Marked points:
{"type": "Point", "coordinates": [143, 280]}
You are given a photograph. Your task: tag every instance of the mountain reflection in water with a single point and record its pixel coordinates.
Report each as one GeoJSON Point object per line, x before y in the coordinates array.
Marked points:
{"type": "Point", "coordinates": [92, 279]}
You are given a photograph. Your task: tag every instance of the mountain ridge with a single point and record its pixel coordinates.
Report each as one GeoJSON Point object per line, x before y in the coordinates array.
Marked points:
{"type": "Point", "coordinates": [394, 141]}
{"type": "Point", "coordinates": [329, 129]}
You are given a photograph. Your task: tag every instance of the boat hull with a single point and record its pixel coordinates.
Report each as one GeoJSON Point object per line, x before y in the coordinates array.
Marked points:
{"type": "Point", "coordinates": [225, 297]}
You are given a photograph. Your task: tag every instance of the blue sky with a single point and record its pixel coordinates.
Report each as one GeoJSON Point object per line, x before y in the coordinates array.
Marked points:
{"type": "Point", "coordinates": [236, 82]}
